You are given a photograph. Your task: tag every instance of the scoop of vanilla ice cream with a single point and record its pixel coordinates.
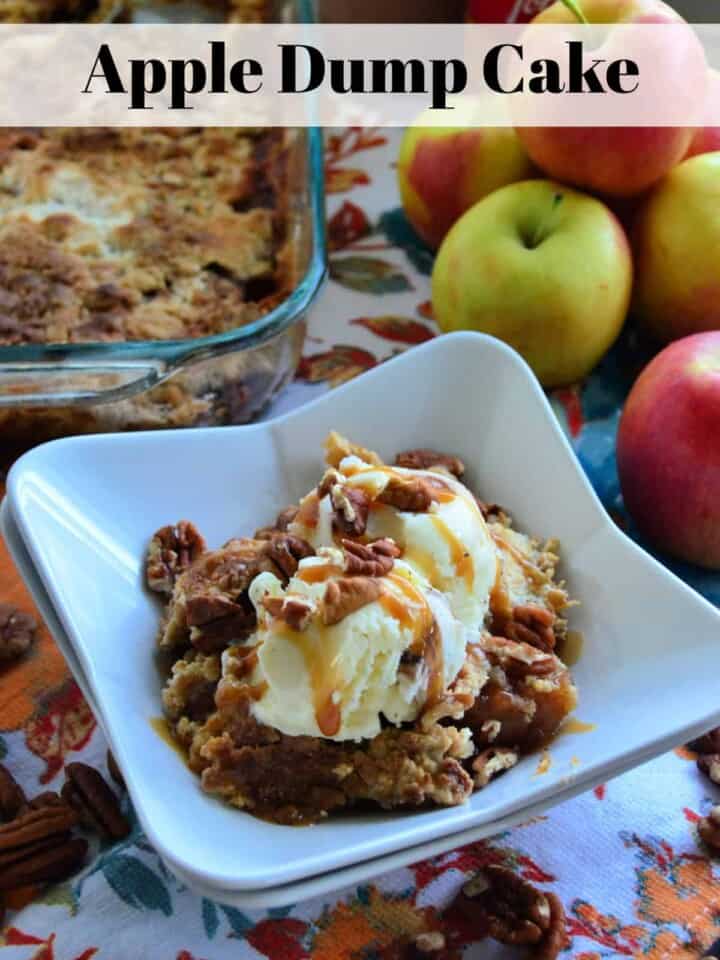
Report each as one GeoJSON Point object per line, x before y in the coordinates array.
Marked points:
{"type": "Point", "coordinates": [449, 547]}
{"type": "Point", "coordinates": [335, 681]}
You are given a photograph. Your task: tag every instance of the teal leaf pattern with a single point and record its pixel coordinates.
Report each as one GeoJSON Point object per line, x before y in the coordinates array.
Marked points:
{"type": "Point", "coordinates": [368, 275]}
{"type": "Point", "coordinates": [239, 922]}
{"type": "Point", "coordinates": [398, 232]}
{"type": "Point", "coordinates": [211, 920]}
{"type": "Point", "coordinates": [136, 884]}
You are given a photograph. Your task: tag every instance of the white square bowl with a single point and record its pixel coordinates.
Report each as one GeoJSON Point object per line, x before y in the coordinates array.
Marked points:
{"type": "Point", "coordinates": [86, 507]}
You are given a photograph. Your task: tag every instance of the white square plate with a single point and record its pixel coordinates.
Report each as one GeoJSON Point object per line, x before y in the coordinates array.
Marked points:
{"type": "Point", "coordinates": [86, 507]}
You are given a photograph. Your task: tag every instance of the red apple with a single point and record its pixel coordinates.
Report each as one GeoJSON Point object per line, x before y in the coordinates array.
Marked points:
{"type": "Point", "coordinates": [707, 138]}
{"type": "Point", "coordinates": [443, 171]}
{"type": "Point", "coordinates": [613, 161]}
{"type": "Point", "coordinates": [668, 450]}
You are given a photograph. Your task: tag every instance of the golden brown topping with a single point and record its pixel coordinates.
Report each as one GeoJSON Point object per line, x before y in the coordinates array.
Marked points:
{"type": "Point", "coordinates": [370, 559]}
{"type": "Point", "coordinates": [171, 550]}
{"type": "Point", "coordinates": [12, 796]}
{"type": "Point", "coordinates": [86, 791]}
{"type": "Point", "coordinates": [492, 762]}
{"type": "Point", "coordinates": [17, 632]}
{"type": "Point", "coordinates": [413, 494]}
{"type": "Point", "coordinates": [424, 459]}
{"type": "Point", "coordinates": [709, 829]}
{"type": "Point", "coordinates": [338, 447]}
{"type": "Point", "coordinates": [346, 595]}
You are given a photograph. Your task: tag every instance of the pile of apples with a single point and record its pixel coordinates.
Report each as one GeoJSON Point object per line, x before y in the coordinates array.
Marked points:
{"type": "Point", "coordinates": [550, 238]}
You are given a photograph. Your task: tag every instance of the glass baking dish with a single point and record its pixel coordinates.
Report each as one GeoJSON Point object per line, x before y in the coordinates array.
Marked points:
{"type": "Point", "coordinates": [53, 390]}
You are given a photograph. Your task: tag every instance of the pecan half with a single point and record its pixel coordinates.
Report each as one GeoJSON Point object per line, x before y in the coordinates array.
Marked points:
{"type": "Point", "coordinates": [491, 763]}
{"type": "Point", "coordinates": [532, 624]}
{"type": "Point", "coordinates": [708, 743]}
{"type": "Point", "coordinates": [217, 620]}
{"type": "Point", "coordinates": [709, 764]}
{"type": "Point", "coordinates": [12, 796]}
{"type": "Point", "coordinates": [412, 494]}
{"type": "Point", "coordinates": [46, 863]}
{"type": "Point", "coordinates": [515, 912]}
{"type": "Point", "coordinates": [351, 506]}
{"type": "Point", "coordinates": [518, 658]}
{"type": "Point", "coordinates": [709, 829]}
{"type": "Point", "coordinates": [17, 632]}
{"type": "Point", "coordinates": [296, 612]}
{"type": "Point", "coordinates": [370, 559]}
{"type": "Point", "coordinates": [286, 551]}
{"type": "Point", "coordinates": [87, 792]}
{"type": "Point", "coordinates": [424, 459]}
{"type": "Point", "coordinates": [36, 847]}
{"type": "Point", "coordinates": [346, 595]}
{"type": "Point", "coordinates": [556, 938]}
{"type": "Point", "coordinates": [172, 549]}
{"type": "Point", "coordinates": [48, 798]}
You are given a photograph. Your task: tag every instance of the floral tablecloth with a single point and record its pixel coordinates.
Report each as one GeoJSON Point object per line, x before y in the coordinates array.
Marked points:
{"type": "Point", "coordinates": [624, 858]}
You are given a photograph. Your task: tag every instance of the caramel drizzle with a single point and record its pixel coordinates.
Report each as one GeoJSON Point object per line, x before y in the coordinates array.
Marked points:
{"type": "Point", "coordinates": [519, 557]}
{"type": "Point", "coordinates": [326, 679]}
{"type": "Point", "coordinates": [317, 572]}
{"type": "Point", "coordinates": [500, 601]}
{"type": "Point", "coordinates": [258, 690]}
{"type": "Point", "coordinates": [573, 725]}
{"type": "Point", "coordinates": [459, 556]}
{"type": "Point", "coordinates": [427, 641]}
{"type": "Point", "coordinates": [162, 729]}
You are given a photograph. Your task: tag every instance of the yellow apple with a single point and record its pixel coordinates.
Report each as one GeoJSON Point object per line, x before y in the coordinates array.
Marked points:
{"type": "Point", "coordinates": [676, 239]}
{"type": "Point", "coordinates": [443, 171]}
{"type": "Point", "coordinates": [543, 267]}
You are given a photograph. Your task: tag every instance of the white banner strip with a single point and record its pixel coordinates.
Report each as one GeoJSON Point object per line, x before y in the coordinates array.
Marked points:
{"type": "Point", "coordinates": [300, 75]}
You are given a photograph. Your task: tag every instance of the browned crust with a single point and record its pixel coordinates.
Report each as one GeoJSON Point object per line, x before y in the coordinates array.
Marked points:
{"type": "Point", "coordinates": [164, 234]}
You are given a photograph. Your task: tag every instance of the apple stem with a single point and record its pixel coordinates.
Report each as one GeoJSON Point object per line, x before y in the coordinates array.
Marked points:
{"type": "Point", "coordinates": [546, 225]}
{"type": "Point", "coordinates": [575, 8]}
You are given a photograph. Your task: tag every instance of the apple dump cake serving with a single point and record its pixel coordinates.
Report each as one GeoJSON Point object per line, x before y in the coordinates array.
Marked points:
{"type": "Point", "coordinates": [389, 640]}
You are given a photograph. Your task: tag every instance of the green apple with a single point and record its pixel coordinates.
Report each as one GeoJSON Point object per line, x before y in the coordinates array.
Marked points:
{"type": "Point", "coordinates": [676, 239]}
{"type": "Point", "coordinates": [543, 267]}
